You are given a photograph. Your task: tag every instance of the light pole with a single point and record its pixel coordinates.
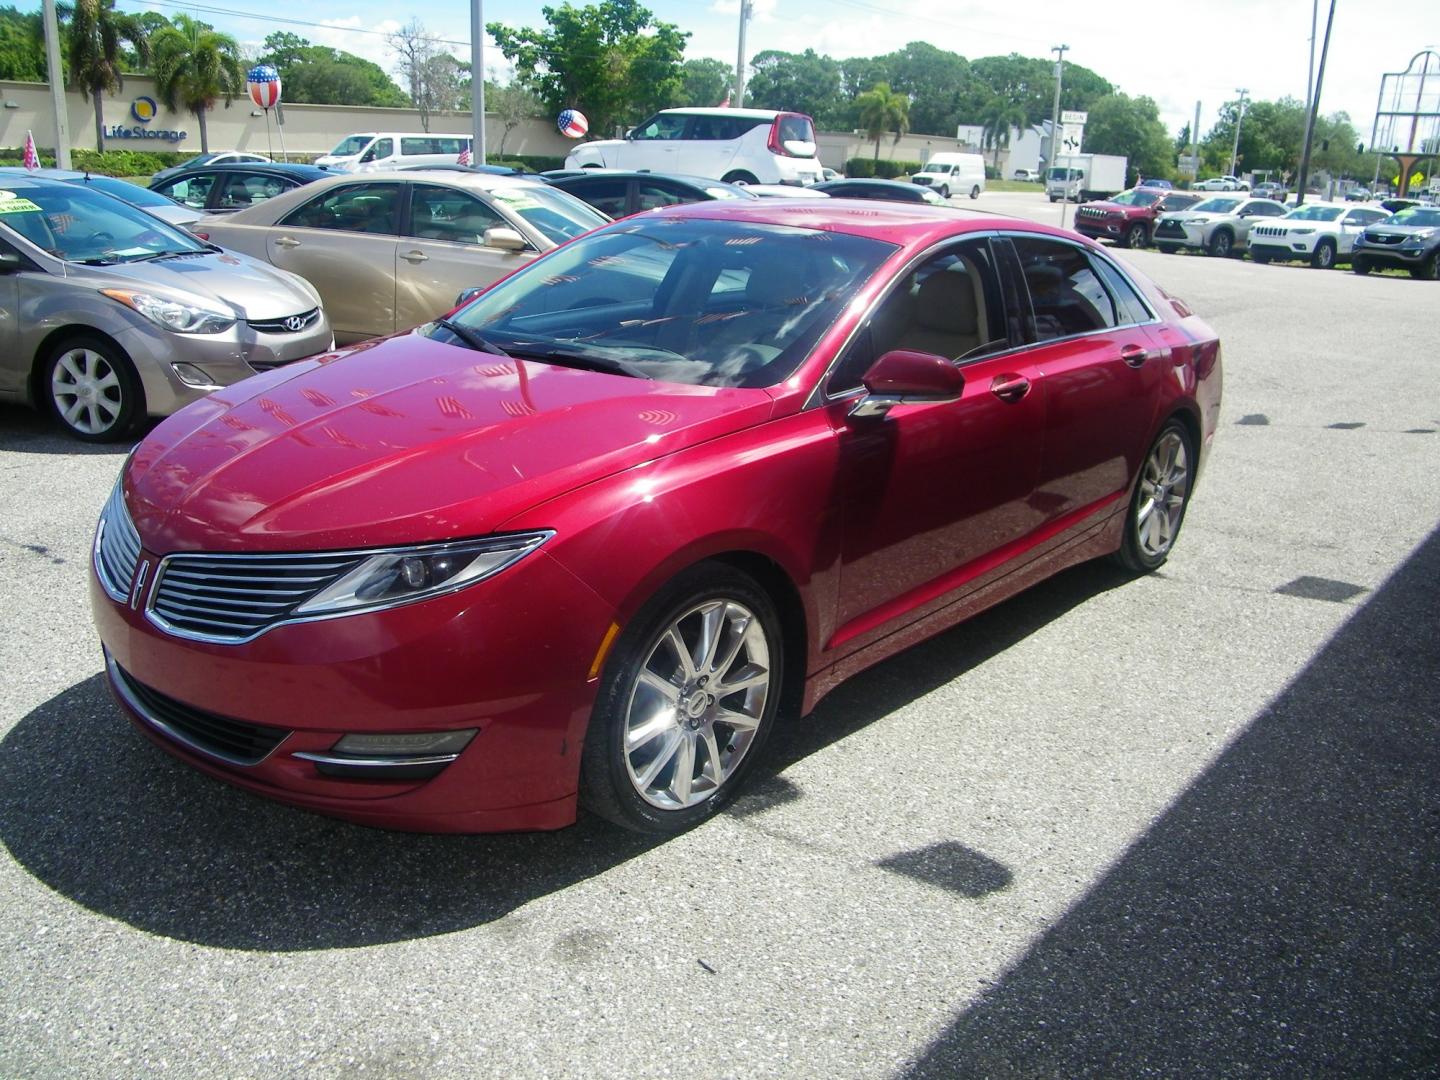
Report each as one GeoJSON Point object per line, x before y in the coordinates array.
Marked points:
{"type": "Point", "coordinates": [1239, 119]}
{"type": "Point", "coordinates": [740, 56]}
{"type": "Point", "coordinates": [1059, 51]}
{"type": "Point", "coordinates": [477, 79]}
{"type": "Point", "coordinates": [56, 75]}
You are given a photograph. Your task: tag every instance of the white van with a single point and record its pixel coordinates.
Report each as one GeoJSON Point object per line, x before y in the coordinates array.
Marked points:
{"type": "Point", "coordinates": [953, 174]}
{"type": "Point", "coordinates": [746, 146]}
{"type": "Point", "coordinates": [372, 151]}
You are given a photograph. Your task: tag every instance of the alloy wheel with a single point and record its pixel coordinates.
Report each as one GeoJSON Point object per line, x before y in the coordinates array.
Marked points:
{"type": "Point", "coordinates": [696, 704]}
{"type": "Point", "coordinates": [87, 391]}
{"type": "Point", "coordinates": [1164, 487]}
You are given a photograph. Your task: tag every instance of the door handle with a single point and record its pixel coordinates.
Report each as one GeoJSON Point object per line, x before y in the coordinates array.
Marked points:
{"type": "Point", "coordinates": [414, 256]}
{"type": "Point", "coordinates": [287, 242]}
{"type": "Point", "coordinates": [1010, 387]}
{"type": "Point", "coordinates": [1134, 355]}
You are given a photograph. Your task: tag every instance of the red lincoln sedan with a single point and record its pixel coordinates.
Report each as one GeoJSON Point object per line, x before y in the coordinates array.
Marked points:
{"type": "Point", "coordinates": [582, 539]}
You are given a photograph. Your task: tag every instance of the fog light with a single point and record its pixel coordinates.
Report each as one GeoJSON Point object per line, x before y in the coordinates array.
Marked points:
{"type": "Point", "coordinates": [191, 375]}
{"type": "Point", "coordinates": [406, 744]}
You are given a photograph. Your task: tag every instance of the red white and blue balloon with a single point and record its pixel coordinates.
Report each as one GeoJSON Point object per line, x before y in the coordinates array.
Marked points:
{"type": "Point", "coordinates": [572, 124]}
{"type": "Point", "coordinates": [263, 84]}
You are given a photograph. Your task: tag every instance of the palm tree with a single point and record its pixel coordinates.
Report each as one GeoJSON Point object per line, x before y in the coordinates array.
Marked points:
{"type": "Point", "coordinates": [1000, 117]}
{"type": "Point", "coordinates": [194, 67]}
{"type": "Point", "coordinates": [882, 110]}
{"type": "Point", "coordinates": [96, 31]}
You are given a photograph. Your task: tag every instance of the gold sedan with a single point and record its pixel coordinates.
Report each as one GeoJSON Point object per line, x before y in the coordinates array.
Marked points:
{"type": "Point", "coordinates": [387, 251]}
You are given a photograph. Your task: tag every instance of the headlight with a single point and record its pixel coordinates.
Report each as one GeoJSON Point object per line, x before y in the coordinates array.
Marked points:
{"type": "Point", "coordinates": [1192, 221]}
{"type": "Point", "coordinates": [172, 314]}
{"type": "Point", "coordinates": [401, 575]}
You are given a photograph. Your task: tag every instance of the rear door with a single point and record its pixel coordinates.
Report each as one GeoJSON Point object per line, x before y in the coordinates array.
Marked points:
{"type": "Point", "coordinates": [443, 252]}
{"type": "Point", "coordinates": [343, 242]}
{"type": "Point", "coordinates": [1104, 373]}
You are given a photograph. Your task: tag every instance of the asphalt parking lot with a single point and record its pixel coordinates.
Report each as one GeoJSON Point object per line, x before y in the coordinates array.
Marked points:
{"type": "Point", "coordinates": [1187, 825]}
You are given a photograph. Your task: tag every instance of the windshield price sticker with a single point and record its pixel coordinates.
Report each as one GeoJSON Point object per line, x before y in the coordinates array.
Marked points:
{"type": "Point", "coordinates": [10, 204]}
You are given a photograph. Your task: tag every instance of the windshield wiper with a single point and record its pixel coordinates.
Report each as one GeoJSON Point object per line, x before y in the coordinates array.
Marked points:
{"type": "Point", "coordinates": [473, 338]}
{"type": "Point", "coordinates": [153, 256]}
{"type": "Point", "coordinates": [567, 356]}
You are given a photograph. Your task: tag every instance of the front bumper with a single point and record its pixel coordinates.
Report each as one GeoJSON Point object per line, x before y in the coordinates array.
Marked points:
{"type": "Point", "coordinates": [1392, 255]}
{"type": "Point", "coordinates": [509, 656]}
{"type": "Point", "coordinates": [1172, 234]}
{"type": "Point", "coordinates": [222, 359]}
{"type": "Point", "coordinates": [1106, 228]}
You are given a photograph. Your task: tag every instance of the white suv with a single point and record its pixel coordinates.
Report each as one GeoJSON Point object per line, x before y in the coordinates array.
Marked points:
{"type": "Point", "coordinates": [1320, 233]}
{"type": "Point", "coordinates": [746, 146]}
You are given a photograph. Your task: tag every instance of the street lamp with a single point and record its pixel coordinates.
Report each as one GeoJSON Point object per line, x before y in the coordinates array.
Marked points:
{"type": "Point", "coordinates": [1059, 51]}
{"type": "Point", "coordinates": [1240, 119]}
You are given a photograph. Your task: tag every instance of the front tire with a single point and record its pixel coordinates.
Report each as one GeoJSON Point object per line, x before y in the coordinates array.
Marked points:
{"type": "Point", "coordinates": [1429, 269]}
{"type": "Point", "coordinates": [687, 701]}
{"type": "Point", "coordinates": [1360, 266]}
{"type": "Point", "coordinates": [1222, 244]}
{"type": "Point", "coordinates": [1166, 249]}
{"type": "Point", "coordinates": [92, 389]}
{"type": "Point", "coordinates": [1162, 494]}
{"type": "Point", "coordinates": [945, 191]}
{"type": "Point", "coordinates": [739, 176]}
{"type": "Point", "coordinates": [1324, 257]}
{"type": "Point", "coordinates": [1134, 236]}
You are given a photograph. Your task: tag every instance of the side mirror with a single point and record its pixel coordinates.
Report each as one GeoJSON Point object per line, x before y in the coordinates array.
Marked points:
{"type": "Point", "coordinates": [466, 295]}
{"type": "Point", "coordinates": [11, 263]}
{"type": "Point", "coordinates": [505, 239]}
{"type": "Point", "coordinates": [629, 133]}
{"type": "Point", "coordinates": [901, 377]}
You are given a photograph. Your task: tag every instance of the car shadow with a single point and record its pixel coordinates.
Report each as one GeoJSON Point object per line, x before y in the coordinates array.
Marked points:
{"type": "Point", "coordinates": [1281, 918]}
{"type": "Point", "coordinates": [95, 812]}
{"type": "Point", "coordinates": [26, 431]}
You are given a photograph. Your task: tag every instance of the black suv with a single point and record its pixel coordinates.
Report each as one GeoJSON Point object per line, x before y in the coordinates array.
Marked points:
{"type": "Point", "coordinates": [1409, 239]}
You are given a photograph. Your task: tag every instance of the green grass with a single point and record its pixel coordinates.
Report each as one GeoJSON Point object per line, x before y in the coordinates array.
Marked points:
{"type": "Point", "coordinates": [1015, 185]}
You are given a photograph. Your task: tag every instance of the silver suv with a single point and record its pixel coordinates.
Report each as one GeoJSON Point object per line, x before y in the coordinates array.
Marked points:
{"type": "Point", "coordinates": [109, 315]}
{"type": "Point", "coordinates": [1218, 226]}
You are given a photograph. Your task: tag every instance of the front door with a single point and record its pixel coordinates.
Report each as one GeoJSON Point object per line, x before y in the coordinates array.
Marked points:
{"type": "Point", "coordinates": [343, 242]}
{"type": "Point", "coordinates": [933, 493]}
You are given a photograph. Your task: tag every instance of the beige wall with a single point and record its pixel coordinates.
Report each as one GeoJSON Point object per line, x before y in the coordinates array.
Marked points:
{"type": "Point", "coordinates": [309, 129]}
{"type": "Point", "coordinates": [834, 148]}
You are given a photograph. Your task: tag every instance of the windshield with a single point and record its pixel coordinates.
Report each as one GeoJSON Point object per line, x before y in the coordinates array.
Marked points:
{"type": "Point", "coordinates": [559, 216]}
{"type": "Point", "coordinates": [709, 303]}
{"type": "Point", "coordinates": [1137, 198]}
{"type": "Point", "coordinates": [78, 225]}
{"type": "Point", "coordinates": [1064, 174]}
{"type": "Point", "coordinates": [1315, 213]}
{"type": "Point", "coordinates": [1217, 206]}
{"type": "Point", "coordinates": [933, 168]}
{"type": "Point", "coordinates": [1417, 217]}
{"type": "Point", "coordinates": [351, 145]}
{"type": "Point", "coordinates": [134, 194]}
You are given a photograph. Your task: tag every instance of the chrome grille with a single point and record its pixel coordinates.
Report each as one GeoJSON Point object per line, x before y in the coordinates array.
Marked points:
{"type": "Point", "coordinates": [1169, 228]}
{"type": "Point", "coordinates": [1268, 230]}
{"type": "Point", "coordinates": [233, 598]}
{"type": "Point", "coordinates": [1089, 211]}
{"type": "Point", "coordinates": [230, 740]}
{"type": "Point", "coordinates": [117, 547]}
{"type": "Point", "coordinates": [284, 325]}
{"type": "Point", "coordinates": [1382, 238]}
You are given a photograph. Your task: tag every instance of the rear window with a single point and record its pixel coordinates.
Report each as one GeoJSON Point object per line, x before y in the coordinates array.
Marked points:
{"type": "Point", "coordinates": [796, 129]}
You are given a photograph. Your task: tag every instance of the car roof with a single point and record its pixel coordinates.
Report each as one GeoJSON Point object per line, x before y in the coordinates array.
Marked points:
{"type": "Point", "coordinates": [44, 174]}
{"type": "Point", "coordinates": [278, 168]}
{"type": "Point", "coordinates": [748, 114]}
{"type": "Point", "coordinates": [894, 222]}
{"type": "Point", "coordinates": [482, 181]}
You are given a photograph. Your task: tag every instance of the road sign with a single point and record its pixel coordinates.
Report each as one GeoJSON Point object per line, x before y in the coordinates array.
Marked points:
{"type": "Point", "coordinates": [1072, 137]}
{"type": "Point", "coordinates": [1073, 117]}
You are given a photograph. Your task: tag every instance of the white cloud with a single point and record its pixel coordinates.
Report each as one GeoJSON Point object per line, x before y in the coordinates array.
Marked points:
{"type": "Point", "coordinates": [760, 10]}
{"type": "Point", "coordinates": [342, 34]}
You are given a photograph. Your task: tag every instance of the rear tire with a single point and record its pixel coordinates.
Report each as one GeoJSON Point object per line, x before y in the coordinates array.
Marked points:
{"type": "Point", "coordinates": [944, 191]}
{"type": "Point", "coordinates": [1162, 494]}
{"type": "Point", "coordinates": [975, 192]}
{"type": "Point", "coordinates": [669, 743]}
{"type": "Point", "coordinates": [1324, 257]}
{"type": "Point", "coordinates": [93, 390]}
{"type": "Point", "coordinates": [739, 176]}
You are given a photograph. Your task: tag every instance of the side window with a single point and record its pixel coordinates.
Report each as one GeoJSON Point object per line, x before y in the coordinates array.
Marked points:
{"type": "Point", "coordinates": [663, 126]}
{"type": "Point", "coordinates": [1066, 295]}
{"type": "Point", "coordinates": [607, 196]}
{"type": "Point", "coordinates": [192, 191]}
{"type": "Point", "coordinates": [247, 189]}
{"type": "Point", "coordinates": [1268, 210]}
{"type": "Point", "coordinates": [380, 149]}
{"type": "Point", "coordinates": [950, 306]}
{"type": "Point", "coordinates": [649, 195]}
{"type": "Point", "coordinates": [366, 208]}
{"type": "Point", "coordinates": [1365, 217]}
{"type": "Point", "coordinates": [1132, 308]}
{"type": "Point", "coordinates": [442, 213]}
{"type": "Point", "coordinates": [411, 146]}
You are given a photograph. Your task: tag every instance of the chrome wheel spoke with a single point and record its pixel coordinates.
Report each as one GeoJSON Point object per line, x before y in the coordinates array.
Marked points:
{"type": "Point", "coordinates": [751, 675]}
{"type": "Point", "coordinates": [657, 725]}
{"type": "Point", "coordinates": [684, 770]}
{"type": "Point", "coordinates": [660, 760]}
{"type": "Point", "coordinates": [73, 409]}
{"type": "Point", "coordinates": [662, 686]}
{"type": "Point", "coordinates": [712, 625]}
{"type": "Point", "coordinates": [682, 652]}
{"type": "Point", "coordinates": [715, 765]}
{"type": "Point", "coordinates": [737, 720]}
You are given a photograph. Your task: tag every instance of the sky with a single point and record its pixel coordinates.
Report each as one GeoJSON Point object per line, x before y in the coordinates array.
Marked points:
{"type": "Point", "coordinates": [1177, 54]}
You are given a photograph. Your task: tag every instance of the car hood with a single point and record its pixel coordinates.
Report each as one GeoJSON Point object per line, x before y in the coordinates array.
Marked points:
{"type": "Point", "coordinates": [403, 440]}
{"type": "Point", "coordinates": [253, 288]}
{"type": "Point", "coordinates": [1382, 229]}
{"type": "Point", "coordinates": [1204, 215]}
{"type": "Point", "coordinates": [1115, 208]}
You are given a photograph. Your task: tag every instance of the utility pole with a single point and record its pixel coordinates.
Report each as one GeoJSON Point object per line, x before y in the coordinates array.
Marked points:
{"type": "Point", "coordinates": [739, 102]}
{"type": "Point", "coordinates": [1314, 110]}
{"type": "Point", "coordinates": [477, 79]}
{"type": "Point", "coordinates": [56, 75]}
{"type": "Point", "coordinates": [1310, 77]}
{"type": "Point", "coordinates": [1195, 141]}
{"type": "Point", "coordinates": [1059, 51]}
{"type": "Point", "coordinates": [1239, 119]}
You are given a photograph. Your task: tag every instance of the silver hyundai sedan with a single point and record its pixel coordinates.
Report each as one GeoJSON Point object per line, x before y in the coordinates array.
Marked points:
{"type": "Point", "coordinates": [109, 315]}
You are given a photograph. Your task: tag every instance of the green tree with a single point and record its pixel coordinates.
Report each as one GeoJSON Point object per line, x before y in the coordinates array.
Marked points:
{"type": "Point", "coordinates": [613, 60]}
{"type": "Point", "coordinates": [998, 120]}
{"type": "Point", "coordinates": [195, 66]}
{"type": "Point", "coordinates": [96, 31]}
{"type": "Point", "coordinates": [1120, 124]}
{"type": "Point", "coordinates": [796, 82]}
{"type": "Point", "coordinates": [705, 82]}
{"type": "Point", "coordinates": [320, 75]}
{"type": "Point", "coordinates": [882, 110]}
{"type": "Point", "coordinates": [512, 105]}
{"type": "Point", "coordinates": [935, 81]}
{"type": "Point", "coordinates": [22, 45]}
{"type": "Point", "coordinates": [1030, 82]}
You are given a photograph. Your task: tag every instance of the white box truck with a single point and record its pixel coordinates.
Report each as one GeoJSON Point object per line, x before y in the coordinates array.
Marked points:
{"type": "Point", "coordinates": [1082, 177]}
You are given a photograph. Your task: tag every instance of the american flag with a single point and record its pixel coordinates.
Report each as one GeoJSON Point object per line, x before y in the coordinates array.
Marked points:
{"type": "Point", "coordinates": [464, 158]}
{"type": "Point", "coordinates": [32, 159]}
